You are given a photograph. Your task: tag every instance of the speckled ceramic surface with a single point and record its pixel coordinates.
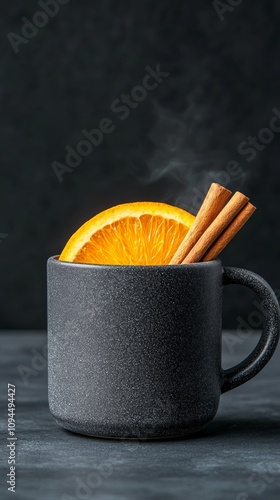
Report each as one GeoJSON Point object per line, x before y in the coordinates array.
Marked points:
{"type": "Point", "coordinates": [135, 351]}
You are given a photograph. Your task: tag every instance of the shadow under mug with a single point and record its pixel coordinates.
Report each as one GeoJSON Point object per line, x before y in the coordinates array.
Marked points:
{"type": "Point", "coordinates": [135, 351]}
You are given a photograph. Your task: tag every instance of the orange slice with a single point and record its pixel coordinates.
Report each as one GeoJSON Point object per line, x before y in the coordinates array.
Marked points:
{"type": "Point", "coordinates": [141, 233]}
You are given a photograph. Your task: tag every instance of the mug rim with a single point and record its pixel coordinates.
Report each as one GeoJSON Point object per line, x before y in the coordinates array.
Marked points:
{"type": "Point", "coordinates": [54, 260]}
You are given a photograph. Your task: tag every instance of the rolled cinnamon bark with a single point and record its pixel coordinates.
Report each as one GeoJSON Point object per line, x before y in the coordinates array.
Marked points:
{"type": "Point", "coordinates": [221, 222]}
{"type": "Point", "coordinates": [229, 233]}
{"type": "Point", "coordinates": [212, 205]}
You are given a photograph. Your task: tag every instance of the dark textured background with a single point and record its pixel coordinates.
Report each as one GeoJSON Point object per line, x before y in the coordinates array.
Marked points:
{"type": "Point", "coordinates": [223, 84]}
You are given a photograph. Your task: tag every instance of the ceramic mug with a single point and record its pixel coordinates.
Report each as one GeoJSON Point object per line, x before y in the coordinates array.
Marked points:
{"type": "Point", "coordinates": [135, 351]}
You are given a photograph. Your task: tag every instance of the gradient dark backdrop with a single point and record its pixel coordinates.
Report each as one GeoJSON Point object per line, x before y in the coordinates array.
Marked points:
{"type": "Point", "coordinates": [223, 84]}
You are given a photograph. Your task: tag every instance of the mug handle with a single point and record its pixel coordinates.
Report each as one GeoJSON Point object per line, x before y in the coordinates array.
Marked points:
{"type": "Point", "coordinates": [267, 344]}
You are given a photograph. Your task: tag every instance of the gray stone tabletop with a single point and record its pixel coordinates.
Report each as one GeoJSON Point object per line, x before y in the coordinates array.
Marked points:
{"type": "Point", "coordinates": [236, 457]}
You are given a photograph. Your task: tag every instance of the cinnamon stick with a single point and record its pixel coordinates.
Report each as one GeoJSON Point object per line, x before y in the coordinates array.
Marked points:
{"type": "Point", "coordinates": [215, 200]}
{"type": "Point", "coordinates": [222, 221]}
{"type": "Point", "coordinates": [238, 222]}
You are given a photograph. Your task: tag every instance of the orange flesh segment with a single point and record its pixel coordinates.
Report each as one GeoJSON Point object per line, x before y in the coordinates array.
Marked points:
{"type": "Point", "coordinates": [137, 239]}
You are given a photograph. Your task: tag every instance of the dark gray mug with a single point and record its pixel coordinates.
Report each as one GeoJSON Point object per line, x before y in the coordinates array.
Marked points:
{"type": "Point", "coordinates": [135, 351]}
